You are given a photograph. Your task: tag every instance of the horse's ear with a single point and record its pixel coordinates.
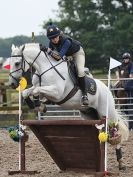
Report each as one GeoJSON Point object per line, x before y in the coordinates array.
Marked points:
{"type": "Point", "coordinates": [13, 47]}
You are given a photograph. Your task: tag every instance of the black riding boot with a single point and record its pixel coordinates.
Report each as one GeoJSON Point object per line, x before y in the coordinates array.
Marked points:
{"type": "Point", "coordinates": [84, 99]}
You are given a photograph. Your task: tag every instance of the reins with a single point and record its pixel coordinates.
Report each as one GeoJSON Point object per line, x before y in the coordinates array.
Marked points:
{"type": "Point", "coordinates": [54, 66]}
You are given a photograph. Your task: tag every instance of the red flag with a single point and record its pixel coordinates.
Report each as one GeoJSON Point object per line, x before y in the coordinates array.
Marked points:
{"type": "Point", "coordinates": [6, 64]}
{"type": "Point", "coordinates": [7, 67]}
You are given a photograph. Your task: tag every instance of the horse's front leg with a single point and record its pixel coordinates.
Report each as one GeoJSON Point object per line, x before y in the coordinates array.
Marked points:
{"type": "Point", "coordinates": [119, 158]}
{"type": "Point", "coordinates": [49, 91]}
{"type": "Point", "coordinates": [26, 95]}
{"type": "Point", "coordinates": [28, 92]}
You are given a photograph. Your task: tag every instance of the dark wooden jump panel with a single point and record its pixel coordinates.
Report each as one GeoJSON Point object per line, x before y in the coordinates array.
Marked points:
{"type": "Point", "coordinates": [72, 144]}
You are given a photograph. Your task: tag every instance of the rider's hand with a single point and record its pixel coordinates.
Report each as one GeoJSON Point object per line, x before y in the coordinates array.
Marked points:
{"type": "Point", "coordinates": [49, 50]}
{"type": "Point", "coordinates": [43, 48]}
{"type": "Point", "coordinates": [130, 75]}
{"type": "Point", "coordinates": [65, 58]}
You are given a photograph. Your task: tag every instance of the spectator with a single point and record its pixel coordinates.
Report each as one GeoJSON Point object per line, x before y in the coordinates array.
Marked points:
{"type": "Point", "coordinates": [126, 69]}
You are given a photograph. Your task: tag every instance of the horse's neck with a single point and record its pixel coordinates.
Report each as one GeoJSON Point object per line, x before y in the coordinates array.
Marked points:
{"type": "Point", "coordinates": [41, 64]}
{"type": "Point", "coordinates": [44, 67]}
{"type": "Point", "coordinates": [50, 75]}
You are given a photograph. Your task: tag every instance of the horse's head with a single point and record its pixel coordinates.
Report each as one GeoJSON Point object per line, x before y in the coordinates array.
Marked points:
{"type": "Point", "coordinates": [17, 66]}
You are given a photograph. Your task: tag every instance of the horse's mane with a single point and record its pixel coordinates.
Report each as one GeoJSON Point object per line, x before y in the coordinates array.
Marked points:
{"type": "Point", "coordinates": [32, 45]}
{"type": "Point", "coordinates": [27, 45]}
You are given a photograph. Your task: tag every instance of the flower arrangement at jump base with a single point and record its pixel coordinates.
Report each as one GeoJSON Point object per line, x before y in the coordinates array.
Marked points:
{"type": "Point", "coordinates": [113, 131]}
{"type": "Point", "coordinates": [103, 136]}
{"type": "Point", "coordinates": [15, 134]}
{"type": "Point", "coordinates": [112, 136]}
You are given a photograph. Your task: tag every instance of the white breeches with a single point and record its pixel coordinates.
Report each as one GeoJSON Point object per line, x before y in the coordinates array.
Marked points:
{"type": "Point", "coordinates": [79, 58]}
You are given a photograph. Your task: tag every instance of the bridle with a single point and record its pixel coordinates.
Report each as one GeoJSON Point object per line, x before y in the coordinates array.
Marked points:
{"type": "Point", "coordinates": [70, 94]}
{"type": "Point", "coordinates": [21, 68]}
{"type": "Point", "coordinates": [24, 61]}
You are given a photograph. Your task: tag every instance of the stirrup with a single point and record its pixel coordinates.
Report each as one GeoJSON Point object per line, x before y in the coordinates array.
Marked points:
{"type": "Point", "coordinates": [84, 100]}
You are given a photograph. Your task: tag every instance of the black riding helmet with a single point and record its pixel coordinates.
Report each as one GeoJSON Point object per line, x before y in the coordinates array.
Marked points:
{"type": "Point", "coordinates": [126, 56]}
{"type": "Point", "coordinates": [53, 31]}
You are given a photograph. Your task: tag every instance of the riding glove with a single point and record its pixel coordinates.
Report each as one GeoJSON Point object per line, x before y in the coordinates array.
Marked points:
{"type": "Point", "coordinates": [43, 48]}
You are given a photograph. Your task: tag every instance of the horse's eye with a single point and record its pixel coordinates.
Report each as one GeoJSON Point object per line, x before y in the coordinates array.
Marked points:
{"type": "Point", "coordinates": [17, 64]}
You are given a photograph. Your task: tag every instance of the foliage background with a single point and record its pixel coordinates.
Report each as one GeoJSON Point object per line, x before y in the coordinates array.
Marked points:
{"type": "Point", "coordinates": [104, 27]}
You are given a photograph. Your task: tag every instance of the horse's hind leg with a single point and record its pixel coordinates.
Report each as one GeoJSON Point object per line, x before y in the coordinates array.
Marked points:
{"type": "Point", "coordinates": [119, 158]}
{"type": "Point", "coordinates": [90, 113]}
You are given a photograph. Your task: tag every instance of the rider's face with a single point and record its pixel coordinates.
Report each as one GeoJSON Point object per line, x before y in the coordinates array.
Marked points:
{"type": "Point", "coordinates": [55, 40]}
{"type": "Point", "coordinates": [126, 60]}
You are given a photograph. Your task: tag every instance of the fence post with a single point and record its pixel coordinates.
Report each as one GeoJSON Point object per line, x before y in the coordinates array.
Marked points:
{"type": "Point", "coordinates": [8, 94]}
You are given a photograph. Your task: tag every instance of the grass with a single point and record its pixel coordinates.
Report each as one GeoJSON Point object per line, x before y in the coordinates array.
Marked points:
{"type": "Point", "coordinates": [13, 119]}
{"type": "Point", "coordinates": [4, 75]}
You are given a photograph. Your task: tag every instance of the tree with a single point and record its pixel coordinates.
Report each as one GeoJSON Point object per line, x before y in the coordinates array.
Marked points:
{"type": "Point", "coordinates": [5, 44]}
{"type": "Point", "coordinates": [104, 27]}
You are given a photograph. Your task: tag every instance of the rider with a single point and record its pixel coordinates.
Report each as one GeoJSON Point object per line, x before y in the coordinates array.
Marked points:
{"type": "Point", "coordinates": [66, 46]}
{"type": "Point", "coordinates": [127, 66]}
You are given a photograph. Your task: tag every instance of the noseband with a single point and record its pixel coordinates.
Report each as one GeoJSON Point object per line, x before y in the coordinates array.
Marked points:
{"type": "Point", "coordinates": [21, 68]}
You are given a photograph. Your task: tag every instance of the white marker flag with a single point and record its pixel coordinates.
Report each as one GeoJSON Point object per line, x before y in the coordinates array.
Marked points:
{"type": "Point", "coordinates": [114, 63]}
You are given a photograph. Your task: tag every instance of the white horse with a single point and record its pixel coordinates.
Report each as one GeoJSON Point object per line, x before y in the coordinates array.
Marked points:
{"type": "Point", "coordinates": [53, 82]}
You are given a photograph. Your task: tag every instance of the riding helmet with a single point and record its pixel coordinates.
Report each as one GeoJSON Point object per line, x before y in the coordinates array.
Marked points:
{"type": "Point", "coordinates": [53, 31]}
{"type": "Point", "coordinates": [126, 56]}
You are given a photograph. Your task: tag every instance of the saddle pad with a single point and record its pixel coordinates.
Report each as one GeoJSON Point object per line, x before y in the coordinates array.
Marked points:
{"type": "Point", "coordinates": [90, 85]}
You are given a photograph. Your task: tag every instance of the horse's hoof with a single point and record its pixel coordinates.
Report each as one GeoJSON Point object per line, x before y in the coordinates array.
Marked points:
{"type": "Point", "coordinates": [122, 166]}
{"type": "Point", "coordinates": [42, 108]}
{"type": "Point", "coordinates": [36, 109]}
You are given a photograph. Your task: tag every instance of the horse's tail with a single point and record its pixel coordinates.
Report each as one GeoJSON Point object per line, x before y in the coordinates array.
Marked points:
{"type": "Point", "coordinates": [123, 126]}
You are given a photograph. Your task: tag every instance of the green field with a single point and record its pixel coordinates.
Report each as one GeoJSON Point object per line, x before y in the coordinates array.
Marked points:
{"type": "Point", "coordinates": [4, 75]}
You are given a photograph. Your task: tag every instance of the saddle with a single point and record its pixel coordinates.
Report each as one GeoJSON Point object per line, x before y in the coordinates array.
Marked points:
{"type": "Point", "coordinates": [90, 82]}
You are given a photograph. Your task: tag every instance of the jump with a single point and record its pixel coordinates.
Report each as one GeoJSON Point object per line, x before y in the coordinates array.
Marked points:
{"type": "Point", "coordinates": [52, 81]}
